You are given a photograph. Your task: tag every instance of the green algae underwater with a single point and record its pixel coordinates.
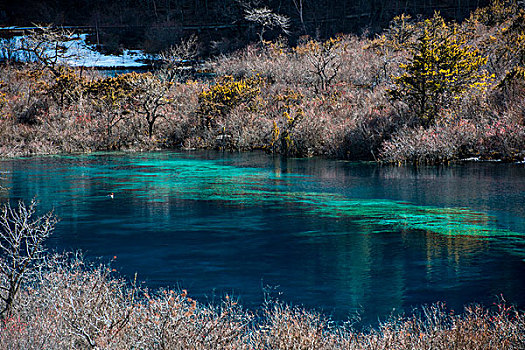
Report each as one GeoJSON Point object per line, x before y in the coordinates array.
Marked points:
{"type": "Point", "coordinates": [156, 179]}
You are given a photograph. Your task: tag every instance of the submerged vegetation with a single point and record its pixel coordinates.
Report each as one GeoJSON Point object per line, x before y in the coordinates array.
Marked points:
{"type": "Point", "coordinates": [425, 91]}
{"type": "Point", "coordinates": [63, 302]}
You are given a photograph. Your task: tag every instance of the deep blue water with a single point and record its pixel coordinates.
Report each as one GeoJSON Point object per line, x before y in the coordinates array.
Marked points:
{"type": "Point", "coordinates": [339, 237]}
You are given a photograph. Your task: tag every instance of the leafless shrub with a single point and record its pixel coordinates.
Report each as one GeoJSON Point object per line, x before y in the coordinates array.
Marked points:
{"type": "Point", "coordinates": [175, 321]}
{"type": "Point", "coordinates": [503, 138]}
{"type": "Point", "coordinates": [150, 98]}
{"type": "Point", "coordinates": [344, 111]}
{"type": "Point", "coordinates": [350, 119]}
{"type": "Point", "coordinates": [21, 249]}
{"type": "Point", "coordinates": [176, 61]}
{"type": "Point", "coordinates": [243, 130]}
{"type": "Point", "coordinates": [439, 328]}
{"type": "Point", "coordinates": [285, 327]}
{"type": "Point", "coordinates": [500, 138]}
{"type": "Point", "coordinates": [29, 113]}
{"type": "Point", "coordinates": [181, 126]}
{"type": "Point", "coordinates": [90, 308]}
{"type": "Point", "coordinates": [426, 146]}
{"type": "Point", "coordinates": [323, 60]}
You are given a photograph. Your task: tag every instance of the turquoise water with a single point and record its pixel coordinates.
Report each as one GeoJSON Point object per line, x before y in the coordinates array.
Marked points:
{"type": "Point", "coordinates": [340, 237]}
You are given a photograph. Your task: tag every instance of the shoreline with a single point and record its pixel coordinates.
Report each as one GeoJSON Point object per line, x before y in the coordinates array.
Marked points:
{"type": "Point", "coordinates": [176, 149]}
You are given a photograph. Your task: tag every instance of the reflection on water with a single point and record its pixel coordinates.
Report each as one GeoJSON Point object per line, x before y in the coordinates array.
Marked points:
{"type": "Point", "coordinates": [338, 236]}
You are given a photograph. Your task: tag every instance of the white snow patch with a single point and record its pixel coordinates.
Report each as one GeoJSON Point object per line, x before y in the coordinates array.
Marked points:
{"type": "Point", "coordinates": [80, 53]}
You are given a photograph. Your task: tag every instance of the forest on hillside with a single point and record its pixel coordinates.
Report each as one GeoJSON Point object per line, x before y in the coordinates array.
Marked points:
{"type": "Point", "coordinates": [156, 24]}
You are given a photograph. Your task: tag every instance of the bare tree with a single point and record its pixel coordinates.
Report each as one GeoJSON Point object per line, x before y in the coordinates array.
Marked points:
{"type": "Point", "coordinates": [324, 60]}
{"type": "Point", "coordinates": [150, 95]}
{"type": "Point", "coordinates": [50, 46]}
{"type": "Point", "coordinates": [176, 61]}
{"type": "Point", "coordinates": [21, 248]}
{"type": "Point", "coordinates": [268, 20]}
{"type": "Point", "coordinates": [151, 92]}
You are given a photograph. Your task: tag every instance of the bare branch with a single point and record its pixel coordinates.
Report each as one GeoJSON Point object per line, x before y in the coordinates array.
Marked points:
{"type": "Point", "coordinates": [177, 59]}
{"type": "Point", "coordinates": [49, 46]}
{"type": "Point", "coordinates": [21, 248]}
{"type": "Point", "coordinates": [268, 20]}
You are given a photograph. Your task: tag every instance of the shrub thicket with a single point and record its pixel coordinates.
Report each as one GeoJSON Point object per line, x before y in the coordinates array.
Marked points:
{"type": "Point", "coordinates": [347, 97]}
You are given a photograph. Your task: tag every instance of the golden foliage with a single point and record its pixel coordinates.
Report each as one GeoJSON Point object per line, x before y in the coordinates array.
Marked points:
{"type": "Point", "coordinates": [112, 90]}
{"type": "Point", "coordinates": [67, 86]}
{"type": "Point", "coordinates": [227, 94]}
{"type": "Point", "coordinates": [496, 13]}
{"type": "Point", "coordinates": [441, 67]}
{"type": "Point", "coordinates": [289, 104]}
{"type": "Point", "coordinates": [3, 95]}
{"type": "Point", "coordinates": [400, 32]}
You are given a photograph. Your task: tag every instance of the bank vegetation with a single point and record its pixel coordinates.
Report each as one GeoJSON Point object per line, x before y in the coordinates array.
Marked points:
{"type": "Point", "coordinates": [424, 91]}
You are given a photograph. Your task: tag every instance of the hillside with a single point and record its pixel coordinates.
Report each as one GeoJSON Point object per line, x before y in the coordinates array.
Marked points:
{"type": "Point", "coordinates": [156, 24]}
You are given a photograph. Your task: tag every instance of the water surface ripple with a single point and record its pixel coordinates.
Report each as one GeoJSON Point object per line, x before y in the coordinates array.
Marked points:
{"type": "Point", "coordinates": [340, 237]}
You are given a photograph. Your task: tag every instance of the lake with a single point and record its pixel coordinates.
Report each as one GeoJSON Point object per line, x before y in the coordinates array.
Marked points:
{"type": "Point", "coordinates": [344, 238]}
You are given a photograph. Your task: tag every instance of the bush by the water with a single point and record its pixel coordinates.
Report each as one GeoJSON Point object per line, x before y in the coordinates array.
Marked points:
{"type": "Point", "coordinates": [424, 91]}
{"type": "Point", "coordinates": [54, 301]}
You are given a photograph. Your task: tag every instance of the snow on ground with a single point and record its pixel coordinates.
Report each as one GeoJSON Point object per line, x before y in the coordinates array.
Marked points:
{"type": "Point", "coordinates": [87, 56]}
{"type": "Point", "coordinates": [80, 53]}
